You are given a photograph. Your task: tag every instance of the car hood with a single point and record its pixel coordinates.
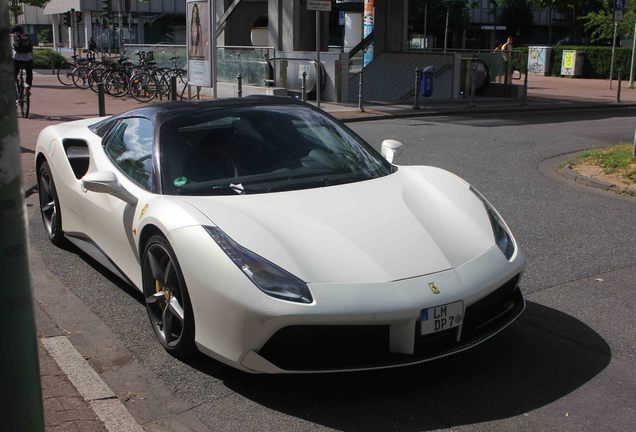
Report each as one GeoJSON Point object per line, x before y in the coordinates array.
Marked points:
{"type": "Point", "coordinates": [416, 221]}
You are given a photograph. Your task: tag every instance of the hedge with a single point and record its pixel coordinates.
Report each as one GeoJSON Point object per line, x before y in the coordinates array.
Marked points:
{"type": "Point", "coordinates": [42, 58]}
{"type": "Point", "coordinates": [596, 60]}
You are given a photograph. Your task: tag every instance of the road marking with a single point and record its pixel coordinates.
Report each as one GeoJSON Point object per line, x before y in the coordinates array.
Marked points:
{"type": "Point", "coordinates": [102, 399]}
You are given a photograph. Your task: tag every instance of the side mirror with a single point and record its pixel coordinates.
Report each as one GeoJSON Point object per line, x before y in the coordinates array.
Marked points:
{"type": "Point", "coordinates": [391, 149]}
{"type": "Point", "coordinates": [106, 182]}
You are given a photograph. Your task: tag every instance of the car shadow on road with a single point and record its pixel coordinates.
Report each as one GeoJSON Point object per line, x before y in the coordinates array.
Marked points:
{"type": "Point", "coordinates": [542, 357]}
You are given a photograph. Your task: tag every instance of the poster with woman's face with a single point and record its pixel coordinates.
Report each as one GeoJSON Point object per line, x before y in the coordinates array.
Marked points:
{"type": "Point", "coordinates": [198, 16]}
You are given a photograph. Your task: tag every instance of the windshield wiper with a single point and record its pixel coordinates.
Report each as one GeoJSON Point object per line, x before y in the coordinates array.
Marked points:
{"type": "Point", "coordinates": [230, 189]}
{"type": "Point", "coordinates": [316, 183]}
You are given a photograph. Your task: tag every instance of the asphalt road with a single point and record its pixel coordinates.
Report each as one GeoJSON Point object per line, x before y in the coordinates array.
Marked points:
{"type": "Point", "coordinates": [567, 364]}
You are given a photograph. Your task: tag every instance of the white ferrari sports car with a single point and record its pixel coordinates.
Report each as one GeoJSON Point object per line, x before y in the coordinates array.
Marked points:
{"type": "Point", "coordinates": [267, 235]}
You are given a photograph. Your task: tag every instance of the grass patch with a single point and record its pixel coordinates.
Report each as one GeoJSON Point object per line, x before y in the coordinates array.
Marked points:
{"type": "Point", "coordinates": [613, 160]}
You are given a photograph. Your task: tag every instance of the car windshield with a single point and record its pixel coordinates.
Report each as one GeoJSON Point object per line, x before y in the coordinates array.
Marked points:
{"type": "Point", "coordinates": [261, 149]}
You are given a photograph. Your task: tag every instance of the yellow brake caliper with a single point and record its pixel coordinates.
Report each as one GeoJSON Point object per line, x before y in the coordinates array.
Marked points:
{"type": "Point", "coordinates": [166, 291]}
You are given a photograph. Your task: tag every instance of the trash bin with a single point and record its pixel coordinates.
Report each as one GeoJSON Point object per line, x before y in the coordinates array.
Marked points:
{"type": "Point", "coordinates": [426, 81]}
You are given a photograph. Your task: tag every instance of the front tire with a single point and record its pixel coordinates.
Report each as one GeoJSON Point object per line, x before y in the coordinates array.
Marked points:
{"type": "Point", "coordinates": [167, 301]}
{"type": "Point", "coordinates": [50, 205]}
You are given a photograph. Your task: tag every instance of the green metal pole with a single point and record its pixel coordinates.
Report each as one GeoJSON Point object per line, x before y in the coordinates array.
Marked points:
{"type": "Point", "coordinates": [631, 65]}
{"type": "Point", "coordinates": [21, 409]}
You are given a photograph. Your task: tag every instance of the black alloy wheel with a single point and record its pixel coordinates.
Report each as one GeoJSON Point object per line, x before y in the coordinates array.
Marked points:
{"type": "Point", "coordinates": [50, 205]}
{"type": "Point", "coordinates": [167, 300]}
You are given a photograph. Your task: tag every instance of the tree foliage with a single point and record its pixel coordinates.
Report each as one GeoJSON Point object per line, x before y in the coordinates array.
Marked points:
{"type": "Point", "coordinates": [600, 24]}
{"type": "Point", "coordinates": [15, 7]}
{"type": "Point", "coordinates": [517, 16]}
{"type": "Point", "coordinates": [436, 17]}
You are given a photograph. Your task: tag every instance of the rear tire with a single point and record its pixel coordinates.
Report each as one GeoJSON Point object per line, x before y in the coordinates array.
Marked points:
{"type": "Point", "coordinates": [26, 103]}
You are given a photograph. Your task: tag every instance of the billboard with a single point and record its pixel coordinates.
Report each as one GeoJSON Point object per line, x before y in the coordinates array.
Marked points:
{"type": "Point", "coordinates": [199, 46]}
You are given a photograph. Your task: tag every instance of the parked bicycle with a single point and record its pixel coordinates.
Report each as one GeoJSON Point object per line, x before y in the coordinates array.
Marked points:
{"type": "Point", "coordinates": [143, 81]}
{"type": "Point", "coordinates": [23, 94]}
{"type": "Point", "coordinates": [67, 73]}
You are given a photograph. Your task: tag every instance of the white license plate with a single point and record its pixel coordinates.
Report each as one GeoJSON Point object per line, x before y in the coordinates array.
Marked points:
{"type": "Point", "coordinates": [441, 318]}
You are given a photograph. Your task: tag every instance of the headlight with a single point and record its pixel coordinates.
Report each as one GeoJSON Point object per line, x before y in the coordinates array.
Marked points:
{"type": "Point", "coordinates": [267, 276]}
{"type": "Point", "coordinates": [503, 237]}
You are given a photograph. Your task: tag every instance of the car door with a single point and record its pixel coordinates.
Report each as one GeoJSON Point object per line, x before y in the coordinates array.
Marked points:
{"type": "Point", "coordinates": [109, 220]}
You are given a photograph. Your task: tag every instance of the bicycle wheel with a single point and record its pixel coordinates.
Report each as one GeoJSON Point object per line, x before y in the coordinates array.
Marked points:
{"type": "Point", "coordinates": [116, 83]}
{"type": "Point", "coordinates": [26, 102]}
{"type": "Point", "coordinates": [65, 73]}
{"type": "Point", "coordinates": [94, 76]}
{"type": "Point", "coordinates": [19, 94]}
{"type": "Point", "coordinates": [143, 87]}
{"type": "Point", "coordinates": [80, 77]}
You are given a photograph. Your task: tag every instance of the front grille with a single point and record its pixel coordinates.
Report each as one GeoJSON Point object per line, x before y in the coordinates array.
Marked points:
{"type": "Point", "coordinates": [336, 347]}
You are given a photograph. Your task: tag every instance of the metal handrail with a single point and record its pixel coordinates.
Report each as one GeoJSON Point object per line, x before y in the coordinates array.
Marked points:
{"type": "Point", "coordinates": [362, 45]}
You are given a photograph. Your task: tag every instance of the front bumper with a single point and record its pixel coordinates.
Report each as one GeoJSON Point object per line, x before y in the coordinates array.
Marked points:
{"type": "Point", "coordinates": [311, 348]}
{"type": "Point", "coordinates": [348, 326]}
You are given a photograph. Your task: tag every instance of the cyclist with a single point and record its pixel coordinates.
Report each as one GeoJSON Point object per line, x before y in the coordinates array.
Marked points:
{"type": "Point", "coordinates": [22, 54]}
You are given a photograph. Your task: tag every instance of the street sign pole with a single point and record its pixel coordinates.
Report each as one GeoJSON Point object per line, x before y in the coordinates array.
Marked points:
{"type": "Point", "coordinates": [617, 6]}
{"type": "Point", "coordinates": [613, 50]}
{"type": "Point", "coordinates": [318, 6]}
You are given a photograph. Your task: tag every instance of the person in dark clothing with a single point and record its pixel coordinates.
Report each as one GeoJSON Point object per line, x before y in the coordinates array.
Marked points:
{"type": "Point", "coordinates": [22, 54]}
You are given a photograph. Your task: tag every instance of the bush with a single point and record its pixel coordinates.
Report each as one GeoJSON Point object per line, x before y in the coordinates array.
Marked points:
{"type": "Point", "coordinates": [44, 35]}
{"type": "Point", "coordinates": [42, 58]}
{"type": "Point", "coordinates": [596, 60]}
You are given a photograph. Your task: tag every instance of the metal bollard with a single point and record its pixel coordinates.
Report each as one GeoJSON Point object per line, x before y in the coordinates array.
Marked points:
{"type": "Point", "coordinates": [361, 90]}
{"type": "Point", "coordinates": [304, 87]}
{"type": "Point", "coordinates": [101, 100]}
{"type": "Point", "coordinates": [618, 90]}
{"type": "Point", "coordinates": [473, 73]}
{"type": "Point", "coordinates": [416, 106]}
{"type": "Point", "coordinates": [173, 88]}
{"type": "Point", "coordinates": [525, 87]}
{"type": "Point", "coordinates": [239, 89]}
{"type": "Point", "coordinates": [189, 92]}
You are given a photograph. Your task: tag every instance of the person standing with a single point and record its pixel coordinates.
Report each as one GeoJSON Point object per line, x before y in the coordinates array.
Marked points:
{"type": "Point", "coordinates": [92, 46]}
{"type": "Point", "coordinates": [496, 67]}
{"type": "Point", "coordinates": [22, 54]}
{"type": "Point", "coordinates": [506, 52]}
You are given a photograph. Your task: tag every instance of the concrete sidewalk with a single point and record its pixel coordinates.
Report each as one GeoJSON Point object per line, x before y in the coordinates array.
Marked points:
{"type": "Point", "coordinates": [52, 103]}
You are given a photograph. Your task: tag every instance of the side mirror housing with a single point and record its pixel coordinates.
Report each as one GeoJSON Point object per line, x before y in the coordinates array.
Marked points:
{"type": "Point", "coordinates": [391, 149]}
{"type": "Point", "coordinates": [106, 182]}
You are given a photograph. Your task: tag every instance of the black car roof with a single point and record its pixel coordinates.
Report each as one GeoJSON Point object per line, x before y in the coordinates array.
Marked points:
{"type": "Point", "coordinates": [161, 112]}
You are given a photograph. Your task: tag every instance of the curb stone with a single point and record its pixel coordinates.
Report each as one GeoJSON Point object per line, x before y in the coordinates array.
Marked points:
{"type": "Point", "coordinates": [571, 174]}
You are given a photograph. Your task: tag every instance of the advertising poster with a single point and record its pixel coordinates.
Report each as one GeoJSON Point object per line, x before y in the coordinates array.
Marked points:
{"type": "Point", "coordinates": [198, 43]}
{"type": "Point", "coordinates": [567, 65]}
{"type": "Point", "coordinates": [367, 29]}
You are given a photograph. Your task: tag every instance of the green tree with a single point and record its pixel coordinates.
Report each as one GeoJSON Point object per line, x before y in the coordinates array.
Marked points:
{"type": "Point", "coordinates": [518, 17]}
{"type": "Point", "coordinates": [15, 7]}
{"type": "Point", "coordinates": [573, 10]}
{"type": "Point", "coordinates": [436, 17]}
{"type": "Point", "coordinates": [600, 24]}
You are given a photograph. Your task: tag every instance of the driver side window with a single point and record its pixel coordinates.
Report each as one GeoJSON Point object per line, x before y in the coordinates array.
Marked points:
{"type": "Point", "coordinates": [130, 148]}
